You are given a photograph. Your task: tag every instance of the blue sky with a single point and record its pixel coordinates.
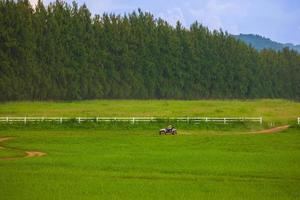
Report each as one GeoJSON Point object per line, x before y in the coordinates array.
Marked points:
{"type": "Point", "coordinates": [275, 19]}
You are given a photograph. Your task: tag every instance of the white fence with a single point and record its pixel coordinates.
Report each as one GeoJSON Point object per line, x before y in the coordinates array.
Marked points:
{"type": "Point", "coordinates": [298, 120]}
{"type": "Point", "coordinates": [34, 119]}
{"type": "Point", "coordinates": [132, 120]}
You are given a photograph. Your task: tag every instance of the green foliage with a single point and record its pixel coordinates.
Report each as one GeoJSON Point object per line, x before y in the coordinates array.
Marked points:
{"type": "Point", "coordinates": [62, 52]}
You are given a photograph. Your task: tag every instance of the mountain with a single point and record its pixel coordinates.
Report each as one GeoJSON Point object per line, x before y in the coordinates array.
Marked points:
{"type": "Point", "coordinates": [260, 42]}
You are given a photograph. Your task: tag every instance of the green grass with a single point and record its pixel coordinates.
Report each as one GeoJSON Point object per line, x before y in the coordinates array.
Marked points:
{"type": "Point", "coordinates": [126, 161]}
{"type": "Point", "coordinates": [282, 111]}
{"type": "Point", "coordinates": [5, 153]}
{"type": "Point", "coordinates": [135, 163]}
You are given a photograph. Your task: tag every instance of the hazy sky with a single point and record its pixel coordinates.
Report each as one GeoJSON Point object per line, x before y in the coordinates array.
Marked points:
{"type": "Point", "coordinates": [275, 19]}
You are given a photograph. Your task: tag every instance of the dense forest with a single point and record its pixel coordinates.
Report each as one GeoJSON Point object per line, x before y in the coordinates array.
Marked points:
{"type": "Point", "coordinates": [62, 52]}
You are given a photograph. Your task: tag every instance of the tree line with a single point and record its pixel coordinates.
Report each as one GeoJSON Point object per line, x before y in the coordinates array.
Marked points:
{"type": "Point", "coordinates": [62, 52]}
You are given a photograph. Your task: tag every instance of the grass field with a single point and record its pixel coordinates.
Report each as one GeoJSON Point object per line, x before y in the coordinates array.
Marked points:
{"type": "Point", "coordinates": [124, 161]}
{"type": "Point", "coordinates": [130, 164]}
{"type": "Point", "coordinates": [272, 110]}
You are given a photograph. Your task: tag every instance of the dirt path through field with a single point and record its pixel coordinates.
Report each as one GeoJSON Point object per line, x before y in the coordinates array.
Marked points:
{"type": "Point", "coordinates": [30, 154]}
{"type": "Point", "coordinates": [274, 130]}
{"type": "Point", "coordinates": [27, 154]}
{"type": "Point", "coordinates": [5, 138]}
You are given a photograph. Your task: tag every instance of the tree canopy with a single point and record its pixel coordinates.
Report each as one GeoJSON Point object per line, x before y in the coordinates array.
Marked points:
{"type": "Point", "coordinates": [63, 52]}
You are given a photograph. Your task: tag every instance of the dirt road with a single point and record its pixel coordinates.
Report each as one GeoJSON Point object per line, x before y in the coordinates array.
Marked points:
{"type": "Point", "coordinates": [27, 154]}
{"type": "Point", "coordinates": [274, 130]}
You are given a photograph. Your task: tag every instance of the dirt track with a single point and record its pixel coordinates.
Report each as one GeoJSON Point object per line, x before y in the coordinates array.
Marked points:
{"type": "Point", "coordinates": [27, 154]}
{"type": "Point", "coordinates": [30, 154]}
{"type": "Point", "coordinates": [5, 138]}
{"type": "Point", "coordinates": [274, 130]}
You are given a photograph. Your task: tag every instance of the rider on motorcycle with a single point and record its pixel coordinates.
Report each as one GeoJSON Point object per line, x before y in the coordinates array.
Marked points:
{"type": "Point", "coordinates": [169, 128]}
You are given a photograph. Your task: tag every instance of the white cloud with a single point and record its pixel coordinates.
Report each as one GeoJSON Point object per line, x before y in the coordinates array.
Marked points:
{"type": "Point", "coordinates": [173, 15]}
{"type": "Point", "coordinates": [101, 6]}
{"type": "Point", "coordinates": [212, 13]}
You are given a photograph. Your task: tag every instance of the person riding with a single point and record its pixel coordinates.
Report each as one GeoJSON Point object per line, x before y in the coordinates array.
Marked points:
{"type": "Point", "coordinates": [169, 128]}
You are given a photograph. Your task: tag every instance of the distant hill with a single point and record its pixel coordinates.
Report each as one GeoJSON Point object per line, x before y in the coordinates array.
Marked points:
{"type": "Point", "coordinates": [260, 42]}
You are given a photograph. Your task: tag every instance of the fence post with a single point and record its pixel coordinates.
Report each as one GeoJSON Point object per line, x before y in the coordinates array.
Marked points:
{"type": "Point", "coordinates": [224, 120]}
{"type": "Point", "coordinates": [261, 120]}
{"type": "Point", "coordinates": [206, 120]}
{"type": "Point", "coordinates": [133, 120]}
{"type": "Point", "coordinates": [61, 120]}
{"type": "Point", "coordinates": [97, 119]}
{"type": "Point", "coordinates": [79, 120]}
{"type": "Point", "coordinates": [7, 119]}
{"type": "Point", "coordinates": [298, 120]}
{"type": "Point", "coordinates": [24, 120]}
